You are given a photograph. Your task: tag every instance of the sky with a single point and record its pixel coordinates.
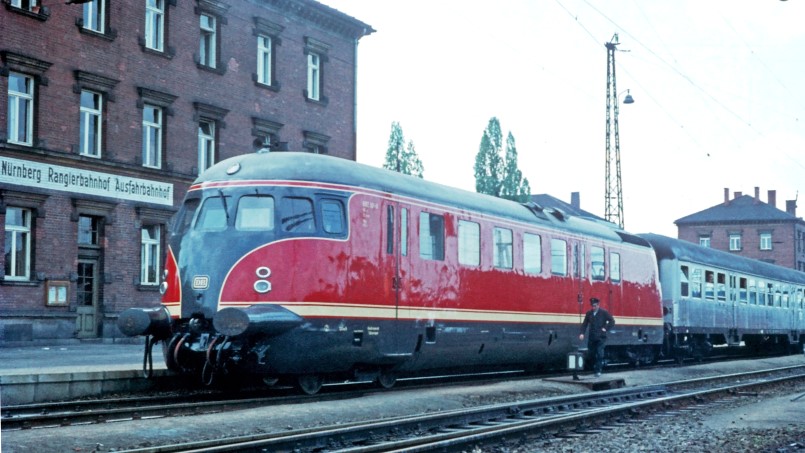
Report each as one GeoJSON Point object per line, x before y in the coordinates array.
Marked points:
{"type": "Point", "coordinates": [719, 90]}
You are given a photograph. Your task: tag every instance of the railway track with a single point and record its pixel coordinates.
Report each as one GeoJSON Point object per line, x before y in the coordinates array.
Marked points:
{"type": "Point", "coordinates": [458, 430]}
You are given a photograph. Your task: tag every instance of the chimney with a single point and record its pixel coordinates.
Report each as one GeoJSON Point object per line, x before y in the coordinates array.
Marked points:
{"type": "Point", "coordinates": [738, 194]}
{"type": "Point", "coordinates": [791, 207]}
{"type": "Point", "coordinates": [575, 200]}
{"type": "Point", "coordinates": [726, 195]}
{"type": "Point", "coordinates": [773, 198]}
{"type": "Point", "coordinates": [757, 193]}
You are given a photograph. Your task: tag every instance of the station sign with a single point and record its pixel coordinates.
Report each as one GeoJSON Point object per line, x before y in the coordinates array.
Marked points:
{"type": "Point", "coordinates": [56, 177]}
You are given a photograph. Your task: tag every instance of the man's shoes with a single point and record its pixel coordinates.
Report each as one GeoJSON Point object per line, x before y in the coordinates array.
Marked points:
{"type": "Point", "coordinates": [597, 374]}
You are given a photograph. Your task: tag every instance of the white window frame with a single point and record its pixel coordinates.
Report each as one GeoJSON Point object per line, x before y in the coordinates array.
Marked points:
{"type": "Point", "coordinates": [209, 40]}
{"type": "Point", "coordinates": [150, 253]}
{"type": "Point", "coordinates": [704, 241]}
{"type": "Point", "coordinates": [152, 137]}
{"type": "Point", "coordinates": [95, 16]}
{"type": "Point", "coordinates": [21, 102]}
{"type": "Point", "coordinates": [264, 66]}
{"type": "Point", "coordinates": [735, 242]}
{"type": "Point", "coordinates": [21, 4]}
{"type": "Point", "coordinates": [91, 125]}
{"type": "Point", "coordinates": [14, 234]}
{"type": "Point", "coordinates": [313, 76]}
{"type": "Point", "coordinates": [765, 241]}
{"type": "Point", "coordinates": [155, 24]}
{"type": "Point", "coordinates": [206, 145]}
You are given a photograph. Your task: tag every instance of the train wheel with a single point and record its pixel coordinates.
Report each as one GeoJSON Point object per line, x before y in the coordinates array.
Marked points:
{"type": "Point", "coordinates": [386, 379]}
{"type": "Point", "coordinates": [310, 384]}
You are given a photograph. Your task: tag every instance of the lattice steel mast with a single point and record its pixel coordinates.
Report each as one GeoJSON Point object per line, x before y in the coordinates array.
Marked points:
{"type": "Point", "coordinates": [613, 197]}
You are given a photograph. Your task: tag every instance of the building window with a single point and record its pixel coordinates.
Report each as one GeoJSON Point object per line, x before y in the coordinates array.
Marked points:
{"type": "Point", "coordinates": [89, 230]}
{"type": "Point", "coordinates": [94, 16]}
{"type": "Point", "coordinates": [152, 136]}
{"type": "Point", "coordinates": [503, 248]}
{"type": "Point", "coordinates": [155, 24]}
{"type": "Point", "coordinates": [206, 145]}
{"type": "Point", "coordinates": [20, 109]}
{"type": "Point", "coordinates": [17, 249]}
{"type": "Point", "coordinates": [735, 242]}
{"type": "Point", "coordinates": [209, 41]}
{"type": "Point", "coordinates": [469, 243]}
{"type": "Point", "coordinates": [149, 254]}
{"type": "Point", "coordinates": [704, 241]}
{"type": "Point", "coordinates": [765, 241]}
{"type": "Point", "coordinates": [265, 66]}
{"type": "Point", "coordinates": [91, 115]}
{"type": "Point", "coordinates": [315, 143]}
{"type": "Point", "coordinates": [313, 76]}
{"type": "Point", "coordinates": [27, 5]}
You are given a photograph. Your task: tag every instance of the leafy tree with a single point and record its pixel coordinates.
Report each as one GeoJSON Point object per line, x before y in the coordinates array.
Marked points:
{"type": "Point", "coordinates": [402, 157]}
{"type": "Point", "coordinates": [496, 174]}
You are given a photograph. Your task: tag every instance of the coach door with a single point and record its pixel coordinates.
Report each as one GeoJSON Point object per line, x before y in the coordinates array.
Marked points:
{"type": "Point", "coordinates": [396, 259]}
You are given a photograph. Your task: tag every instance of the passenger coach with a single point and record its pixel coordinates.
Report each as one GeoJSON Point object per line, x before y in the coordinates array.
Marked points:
{"type": "Point", "coordinates": [714, 298]}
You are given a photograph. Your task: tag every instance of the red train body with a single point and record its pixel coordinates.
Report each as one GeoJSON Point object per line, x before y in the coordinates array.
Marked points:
{"type": "Point", "coordinates": [291, 265]}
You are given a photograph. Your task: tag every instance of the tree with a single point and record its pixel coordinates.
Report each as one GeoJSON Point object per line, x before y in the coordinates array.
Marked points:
{"type": "Point", "coordinates": [496, 174]}
{"type": "Point", "coordinates": [402, 157]}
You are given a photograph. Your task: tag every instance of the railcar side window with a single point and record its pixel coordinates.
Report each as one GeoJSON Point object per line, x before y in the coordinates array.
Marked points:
{"type": "Point", "coordinates": [721, 287]}
{"type": "Point", "coordinates": [255, 213]}
{"type": "Point", "coordinates": [684, 283]}
{"type": "Point", "coordinates": [696, 284]}
{"type": "Point", "coordinates": [615, 267]}
{"type": "Point", "coordinates": [709, 285]}
{"type": "Point", "coordinates": [503, 248]}
{"type": "Point", "coordinates": [532, 253]}
{"type": "Point", "coordinates": [597, 263]}
{"type": "Point", "coordinates": [389, 230]}
{"type": "Point", "coordinates": [742, 289]}
{"type": "Point", "coordinates": [213, 216]}
{"type": "Point", "coordinates": [297, 215]}
{"type": "Point", "coordinates": [752, 292]}
{"type": "Point", "coordinates": [332, 216]}
{"type": "Point", "coordinates": [185, 216]}
{"type": "Point", "coordinates": [558, 257]}
{"type": "Point", "coordinates": [469, 243]}
{"type": "Point", "coordinates": [431, 236]}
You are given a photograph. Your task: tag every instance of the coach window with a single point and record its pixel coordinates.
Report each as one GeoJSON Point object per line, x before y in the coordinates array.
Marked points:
{"type": "Point", "coordinates": [742, 289]}
{"type": "Point", "coordinates": [721, 287]}
{"type": "Point", "coordinates": [297, 215]}
{"type": "Point", "coordinates": [431, 236]}
{"type": "Point", "coordinates": [469, 243]}
{"type": "Point", "coordinates": [615, 267]}
{"type": "Point", "coordinates": [332, 216]}
{"type": "Point", "coordinates": [255, 213]}
{"type": "Point", "coordinates": [709, 285]}
{"type": "Point", "coordinates": [213, 215]}
{"type": "Point", "coordinates": [800, 302]}
{"type": "Point", "coordinates": [752, 292]}
{"type": "Point", "coordinates": [684, 282]}
{"type": "Point", "coordinates": [558, 257]}
{"type": "Point", "coordinates": [786, 297]}
{"type": "Point", "coordinates": [503, 248]}
{"type": "Point", "coordinates": [696, 284]}
{"type": "Point", "coordinates": [389, 230]}
{"type": "Point", "coordinates": [778, 295]}
{"type": "Point", "coordinates": [532, 253]}
{"type": "Point", "coordinates": [597, 263]}
{"type": "Point", "coordinates": [761, 292]}
{"type": "Point", "coordinates": [404, 231]}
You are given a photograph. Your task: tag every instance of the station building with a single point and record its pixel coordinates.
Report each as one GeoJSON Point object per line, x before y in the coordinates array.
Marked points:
{"type": "Point", "coordinates": [110, 109]}
{"type": "Point", "coordinates": [746, 226]}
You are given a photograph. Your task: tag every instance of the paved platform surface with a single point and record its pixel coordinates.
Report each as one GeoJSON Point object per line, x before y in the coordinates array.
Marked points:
{"type": "Point", "coordinates": [74, 358]}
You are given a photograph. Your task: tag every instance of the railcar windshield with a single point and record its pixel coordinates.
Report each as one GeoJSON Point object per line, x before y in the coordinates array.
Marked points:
{"type": "Point", "coordinates": [185, 216]}
{"type": "Point", "coordinates": [255, 213]}
{"type": "Point", "coordinates": [213, 215]}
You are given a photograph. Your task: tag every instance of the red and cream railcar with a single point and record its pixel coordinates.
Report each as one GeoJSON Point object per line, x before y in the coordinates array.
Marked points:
{"type": "Point", "coordinates": [307, 266]}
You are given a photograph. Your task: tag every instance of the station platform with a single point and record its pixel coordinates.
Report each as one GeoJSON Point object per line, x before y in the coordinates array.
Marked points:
{"type": "Point", "coordinates": [31, 374]}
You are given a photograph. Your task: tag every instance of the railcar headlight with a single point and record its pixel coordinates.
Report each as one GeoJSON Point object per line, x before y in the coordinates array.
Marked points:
{"type": "Point", "coordinates": [263, 272]}
{"type": "Point", "coordinates": [163, 287]}
{"type": "Point", "coordinates": [262, 286]}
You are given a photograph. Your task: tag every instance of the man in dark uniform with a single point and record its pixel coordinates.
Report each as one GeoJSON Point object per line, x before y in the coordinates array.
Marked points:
{"type": "Point", "coordinates": [600, 322]}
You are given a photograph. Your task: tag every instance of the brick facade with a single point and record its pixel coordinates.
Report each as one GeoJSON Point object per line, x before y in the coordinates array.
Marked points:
{"type": "Point", "coordinates": [52, 47]}
{"type": "Point", "coordinates": [748, 218]}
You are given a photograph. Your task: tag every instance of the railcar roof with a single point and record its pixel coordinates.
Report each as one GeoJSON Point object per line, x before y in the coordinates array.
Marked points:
{"type": "Point", "coordinates": [670, 248]}
{"type": "Point", "coordinates": [300, 166]}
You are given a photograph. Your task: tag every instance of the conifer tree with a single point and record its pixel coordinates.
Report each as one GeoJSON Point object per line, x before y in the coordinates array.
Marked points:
{"type": "Point", "coordinates": [498, 174]}
{"type": "Point", "coordinates": [401, 156]}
